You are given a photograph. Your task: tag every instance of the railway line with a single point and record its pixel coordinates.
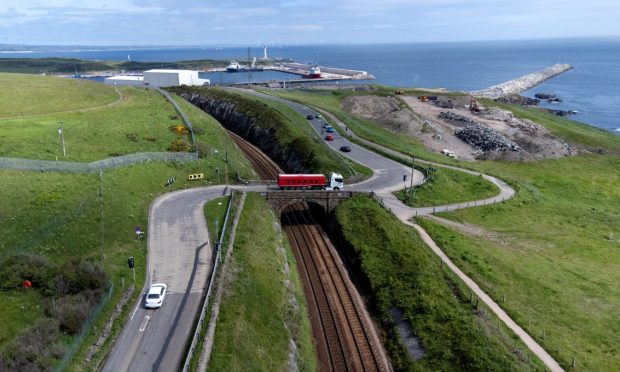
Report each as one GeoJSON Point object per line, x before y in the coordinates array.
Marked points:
{"type": "Point", "coordinates": [345, 337]}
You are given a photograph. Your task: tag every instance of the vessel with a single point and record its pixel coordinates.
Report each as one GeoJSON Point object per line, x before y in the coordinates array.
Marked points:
{"type": "Point", "coordinates": [234, 66]}
{"type": "Point", "coordinates": [314, 73]}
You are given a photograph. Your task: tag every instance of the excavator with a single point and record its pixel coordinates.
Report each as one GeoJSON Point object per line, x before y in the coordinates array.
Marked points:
{"type": "Point", "coordinates": [474, 106]}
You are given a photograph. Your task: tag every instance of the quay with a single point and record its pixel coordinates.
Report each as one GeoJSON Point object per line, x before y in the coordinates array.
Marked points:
{"type": "Point", "coordinates": [522, 83]}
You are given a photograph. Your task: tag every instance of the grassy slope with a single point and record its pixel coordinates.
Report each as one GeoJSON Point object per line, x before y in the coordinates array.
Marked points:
{"type": "Point", "coordinates": [27, 94]}
{"type": "Point", "coordinates": [58, 214]}
{"type": "Point", "coordinates": [256, 319]}
{"type": "Point", "coordinates": [449, 186]}
{"type": "Point", "coordinates": [404, 273]}
{"type": "Point", "coordinates": [94, 135]}
{"type": "Point", "coordinates": [558, 258]}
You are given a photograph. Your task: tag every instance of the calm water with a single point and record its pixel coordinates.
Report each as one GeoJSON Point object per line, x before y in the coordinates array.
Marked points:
{"type": "Point", "coordinates": [592, 87]}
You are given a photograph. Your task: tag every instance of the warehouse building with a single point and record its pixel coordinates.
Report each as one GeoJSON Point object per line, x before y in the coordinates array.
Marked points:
{"type": "Point", "coordinates": [160, 78]}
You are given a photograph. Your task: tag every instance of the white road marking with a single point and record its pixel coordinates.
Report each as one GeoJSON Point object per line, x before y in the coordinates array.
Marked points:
{"type": "Point", "coordinates": [134, 310]}
{"type": "Point", "coordinates": [146, 321]}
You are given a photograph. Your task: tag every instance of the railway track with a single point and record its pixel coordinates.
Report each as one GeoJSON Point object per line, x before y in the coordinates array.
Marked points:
{"type": "Point", "coordinates": [346, 339]}
{"type": "Point", "coordinates": [266, 168]}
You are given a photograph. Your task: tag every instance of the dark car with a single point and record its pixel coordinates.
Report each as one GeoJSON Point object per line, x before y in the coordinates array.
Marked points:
{"type": "Point", "coordinates": [309, 117]}
{"type": "Point", "coordinates": [345, 149]}
{"type": "Point", "coordinates": [329, 137]}
{"type": "Point", "coordinates": [330, 130]}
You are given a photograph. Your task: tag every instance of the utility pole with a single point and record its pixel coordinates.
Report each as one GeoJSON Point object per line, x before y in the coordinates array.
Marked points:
{"type": "Point", "coordinates": [226, 149]}
{"type": "Point", "coordinates": [62, 139]}
{"type": "Point", "coordinates": [101, 212]}
{"type": "Point", "coordinates": [412, 167]}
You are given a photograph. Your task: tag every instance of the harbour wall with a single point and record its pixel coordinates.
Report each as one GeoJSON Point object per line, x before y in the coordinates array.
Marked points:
{"type": "Point", "coordinates": [522, 83]}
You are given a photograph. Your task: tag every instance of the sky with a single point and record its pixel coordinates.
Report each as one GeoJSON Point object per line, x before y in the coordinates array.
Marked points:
{"type": "Point", "coordinates": [285, 22]}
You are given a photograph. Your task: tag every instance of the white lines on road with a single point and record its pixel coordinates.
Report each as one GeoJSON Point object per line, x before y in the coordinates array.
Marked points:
{"type": "Point", "coordinates": [146, 321]}
{"type": "Point", "coordinates": [134, 310]}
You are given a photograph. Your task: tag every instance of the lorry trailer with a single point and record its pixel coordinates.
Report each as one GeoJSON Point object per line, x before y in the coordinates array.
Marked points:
{"type": "Point", "coordinates": [310, 182]}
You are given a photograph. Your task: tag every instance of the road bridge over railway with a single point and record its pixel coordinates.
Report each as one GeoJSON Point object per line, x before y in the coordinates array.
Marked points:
{"type": "Point", "coordinates": [329, 200]}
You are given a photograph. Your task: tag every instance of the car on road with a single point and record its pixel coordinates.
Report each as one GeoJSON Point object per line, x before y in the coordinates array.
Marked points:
{"type": "Point", "coordinates": [345, 149]}
{"type": "Point", "coordinates": [155, 296]}
{"type": "Point", "coordinates": [309, 117]}
{"type": "Point", "coordinates": [326, 125]}
{"type": "Point", "coordinates": [329, 137]}
{"type": "Point", "coordinates": [318, 116]}
{"type": "Point", "coordinates": [330, 130]}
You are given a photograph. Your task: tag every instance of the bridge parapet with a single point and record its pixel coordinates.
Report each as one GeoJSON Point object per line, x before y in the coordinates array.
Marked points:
{"type": "Point", "coordinates": [329, 200]}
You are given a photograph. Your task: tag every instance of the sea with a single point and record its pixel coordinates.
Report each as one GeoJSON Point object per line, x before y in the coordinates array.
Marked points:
{"type": "Point", "coordinates": [592, 88]}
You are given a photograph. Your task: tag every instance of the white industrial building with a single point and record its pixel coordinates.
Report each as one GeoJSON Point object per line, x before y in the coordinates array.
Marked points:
{"type": "Point", "coordinates": [160, 78]}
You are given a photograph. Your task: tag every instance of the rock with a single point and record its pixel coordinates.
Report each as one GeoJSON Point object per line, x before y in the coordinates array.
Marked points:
{"type": "Point", "coordinates": [444, 103]}
{"type": "Point", "coordinates": [516, 99]}
{"type": "Point", "coordinates": [456, 118]}
{"type": "Point", "coordinates": [560, 112]}
{"type": "Point", "coordinates": [485, 139]}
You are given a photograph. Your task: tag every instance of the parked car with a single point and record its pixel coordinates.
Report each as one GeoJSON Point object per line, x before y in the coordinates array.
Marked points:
{"type": "Point", "coordinates": [329, 137]}
{"type": "Point", "coordinates": [330, 130]}
{"type": "Point", "coordinates": [345, 149]}
{"type": "Point", "coordinates": [155, 296]}
{"type": "Point", "coordinates": [309, 117]}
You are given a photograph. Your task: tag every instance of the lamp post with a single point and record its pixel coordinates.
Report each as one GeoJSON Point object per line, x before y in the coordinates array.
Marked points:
{"type": "Point", "coordinates": [62, 139]}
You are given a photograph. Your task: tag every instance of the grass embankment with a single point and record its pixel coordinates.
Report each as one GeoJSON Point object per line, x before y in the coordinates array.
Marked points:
{"type": "Point", "coordinates": [402, 273]}
{"type": "Point", "coordinates": [29, 95]}
{"type": "Point", "coordinates": [58, 216]}
{"type": "Point", "coordinates": [555, 255]}
{"type": "Point", "coordinates": [448, 186]}
{"type": "Point", "coordinates": [260, 313]}
{"type": "Point", "coordinates": [71, 65]}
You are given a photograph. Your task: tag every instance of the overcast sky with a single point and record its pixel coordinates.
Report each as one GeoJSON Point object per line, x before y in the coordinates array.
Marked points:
{"type": "Point", "coordinates": [227, 22]}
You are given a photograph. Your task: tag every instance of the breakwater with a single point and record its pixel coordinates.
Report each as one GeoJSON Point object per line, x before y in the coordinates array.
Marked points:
{"type": "Point", "coordinates": [522, 83]}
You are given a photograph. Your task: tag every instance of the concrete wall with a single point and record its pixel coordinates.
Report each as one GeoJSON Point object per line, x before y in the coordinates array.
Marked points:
{"type": "Point", "coordinates": [124, 82]}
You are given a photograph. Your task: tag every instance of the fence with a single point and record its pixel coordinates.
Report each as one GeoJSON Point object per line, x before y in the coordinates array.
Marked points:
{"type": "Point", "coordinates": [96, 166]}
{"type": "Point", "coordinates": [78, 340]}
{"type": "Point", "coordinates": [205, 305]}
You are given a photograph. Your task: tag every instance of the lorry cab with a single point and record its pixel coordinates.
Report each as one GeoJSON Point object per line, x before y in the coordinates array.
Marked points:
{"type": "Point", "coordinates": [336, 182]}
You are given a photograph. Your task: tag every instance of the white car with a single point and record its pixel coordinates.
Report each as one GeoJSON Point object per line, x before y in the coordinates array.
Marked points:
{"type": "Point", "coordinates": [155, 295]}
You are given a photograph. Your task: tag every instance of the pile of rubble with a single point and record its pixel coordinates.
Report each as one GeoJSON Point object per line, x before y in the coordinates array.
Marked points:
{"type": "Point", "coordinates": [485, 138]}
{"type": "Point", "coordinates": [508, 117]}
{"type": "Point", "coordinates": [456, 118]}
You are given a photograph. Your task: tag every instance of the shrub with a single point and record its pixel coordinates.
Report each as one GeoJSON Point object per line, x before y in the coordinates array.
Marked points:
{"type": "Point", "coordinates": [149, 138]}
{"type": "Point", "coordinates": [202, 148]}
{"type": "Point", "coordinates": [71, 311]}
{"type": "Point", "coordinates": [179, 145]}
{"type": "Point", "coordinates": [133, 137]}
{"type": "Point", "coordinates": [33, 349]}
{"type": "Point", "coordinates": [27, 266]}
{"type": "Point", "coordinates": [198, 130]}
{"type": "Point", "coordinates": [78, 275]}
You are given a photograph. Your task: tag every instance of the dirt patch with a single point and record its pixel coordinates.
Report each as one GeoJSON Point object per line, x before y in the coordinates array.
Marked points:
{"type": "Point", "coordinates": [534, 141]}
{"type": "Point", "coordinates": [389, 112]}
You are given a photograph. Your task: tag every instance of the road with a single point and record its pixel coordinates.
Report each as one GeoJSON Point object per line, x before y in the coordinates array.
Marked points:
{"type": "Point", "coordinates": [180, 256]}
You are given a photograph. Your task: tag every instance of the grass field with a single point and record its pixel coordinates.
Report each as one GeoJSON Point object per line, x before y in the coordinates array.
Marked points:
{"type": "Point", "coordinates": [257, 320]}
{"type": "Point", "coordinates": [402, 273]}
{"type": "Point", "coordinates": [27, 94]}
{"type": "Point", "coordinates": [556, 255]}
{"type": "Point", "coordinates": [58, 215]}
{"type": "Point", "coordinates": [449, 186]}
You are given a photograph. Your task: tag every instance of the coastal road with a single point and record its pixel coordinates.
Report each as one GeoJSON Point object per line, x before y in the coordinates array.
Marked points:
{"type": "Point", "coordinates": [180, 256]}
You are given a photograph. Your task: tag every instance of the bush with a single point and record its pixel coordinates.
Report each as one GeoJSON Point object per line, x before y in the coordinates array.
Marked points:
{"type": "Point", "coordinates": [33, 350]}
{"type": "Point", "coordinates": [179, 145]}
{"type": "Point", "coordinates": [198, 130]}
{"type": "Point", "coordinates": [78, 275]}
{"type": "Point", "coordinates": [72, 311]}
{"type": "Point", "coordinates": [202, 148]}
{"type": "Point", "coordinates": [133, 137]}
{"type": "Point", "coordinates": [28, 266]}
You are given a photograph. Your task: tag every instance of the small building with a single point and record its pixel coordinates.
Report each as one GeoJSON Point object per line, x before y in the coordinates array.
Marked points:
{"type": "Point", "coordinates": [160, 78]}
{"type": "Point", "coordinates": [172, 78]}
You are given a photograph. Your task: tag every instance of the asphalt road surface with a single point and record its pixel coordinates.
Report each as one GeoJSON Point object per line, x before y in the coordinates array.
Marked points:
{"type": "Point", "coordinates": [179, 256]}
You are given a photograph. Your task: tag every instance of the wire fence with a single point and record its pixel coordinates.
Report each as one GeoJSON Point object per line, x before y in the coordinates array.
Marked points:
{"type": "Point", "coordinates": [89, 323]}
{"type": "Point", "coordinates": [96, 166]}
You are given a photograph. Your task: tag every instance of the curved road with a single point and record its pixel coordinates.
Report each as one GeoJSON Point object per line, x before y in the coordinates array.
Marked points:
{"type": "Point", "coordinates": [180, 256]}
